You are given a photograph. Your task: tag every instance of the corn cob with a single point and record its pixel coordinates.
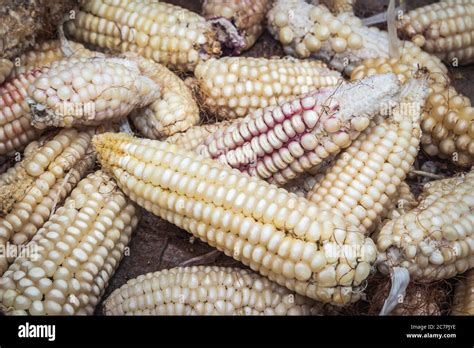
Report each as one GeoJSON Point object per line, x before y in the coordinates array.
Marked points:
{"type": "Point", "coordinates": [464, 295]}
{"type": "Point", "coordinates": [46, 53]}
{"type": "Point", "coordinates": [279, 142]}
{"type": "Point", "coordinates": [338, 6]}
{"type": "Point", "coordinates": [202, 290]}
{"type": "Point", "coordinates": [434, 240]}
{"type": "Point", "coordinates": [247, 15]}
{"type": "Point", "coordinates": [5, 69]}
{"type": "Point", "coordinates": [445, 29]}
{"type": "Point", "coordinates": [76, 253]}
{"type": "Point", "coordinates": [89, 91]}
{"type": "Point", "coordinates": [168, 34]}
{"type": "Point", "coordinates": [365, 178]}
{"type": "Point", "coordinates": [31, 190]}
{"type": "Point", "coordinates": [175, 111]}
{"type": "Point", "coordinates": [196, 135]}
{"type": "Point", "coordinates": [233, 87]}
{"type": "Point", "coordinates": [15, 129]}
{"type": "Point", "coordinates": [343, 41]}
{"type": "Point", "coordinates": [284, 237]}
{"type": "Point", "coordinates": [448, 130]}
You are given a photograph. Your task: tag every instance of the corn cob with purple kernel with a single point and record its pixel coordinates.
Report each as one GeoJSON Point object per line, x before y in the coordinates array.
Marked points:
{"type": "Point", "coordinates": [434, 240]}
{"type": "Point", "coordinates": [174, 111]}
{"type": "Point", "coordinates": [445, 29]}
{"type": "Point", "coordinates": [247, 15]}
{"type": "Point", "coordinates": [89, 91]}
{"type": "Point", "coordinates": [279, 142]}
{"type": "Point", "coordinates": [194, 136]}
{"type": "Point", "coordinates": [15, 129]}
{"type": "Point", "coordinates": [30, 191]}
{"type": "Point", "coordinates": [463, 303]}
{"type": "Point", "coordinates": [74, 254]}
{"type": "Point", "coordinates": [233, 87]}
{"type": "Point", "coordinates": [168, 34]}
{"type": "Point", "coordinates": [447, 120]}
{"type": "Point", "coordinates": [284, 237]}
{"type": "Point", "coordinates": [363, 181]}
{"type": "Point", "coordinates": [202, 290]}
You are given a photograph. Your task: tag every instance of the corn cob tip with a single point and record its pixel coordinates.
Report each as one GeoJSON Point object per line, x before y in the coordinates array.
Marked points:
{"type": "Point", "coordinates": [231, 40]}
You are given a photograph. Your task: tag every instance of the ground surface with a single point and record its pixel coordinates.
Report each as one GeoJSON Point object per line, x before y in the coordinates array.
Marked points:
{"type": "Point", "coordinates": [159, 245]}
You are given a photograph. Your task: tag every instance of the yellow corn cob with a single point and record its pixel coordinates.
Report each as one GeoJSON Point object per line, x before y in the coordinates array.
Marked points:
{"type": "Point", "coordinates": [31, 190]}
{"type": "Point", "coordinates": [15, 129]}
{"type": "Point", "coordinates": [202, 290]}
{"type": "Point", "coordinates": [89, 91]}
{"type": "Point", "coordinates": [233, 87]}
{"type": "Point", "coordinates": [464, 295]}
{"type": "Point", "coordinates": [365, 178]}
{"type": "Point", "coordinates": [74, 254]}
{"type": "Point", "coordinates": [445, 28]}
{"type": "Point", "coordinates": [247, 15]}
{"type": "Point", "coordinates": [168, 34]}
{"type": "Point", "coordinates": [196, 135]}
{"type": "Point", "coordinates": [175, 111]}
{"type": "Point", "coordinates": [6, 68]}
{"type": "Point", "coordinates": [279, 142]}
{"type": "Point", "coordinates": [447, 120]}
{"type": "Point", "coordinates": [434, 240]}
{"type": "Point", "coordinates": [284, 237]}
{"type": "Point", "coordinates": [338, 6]}
{"type": "Point", "coordinates": [343, 41]}
{"type": "Point", "coordinates": [46, 53]}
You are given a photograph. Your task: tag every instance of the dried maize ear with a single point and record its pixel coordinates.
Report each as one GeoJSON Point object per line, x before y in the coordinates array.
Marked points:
{"type": "Point", "coordinates": [464, 296]}
{"type": "Point", "coordinates": [343, 41]}
{"type": "Point", "coordinates": [447, 120]}
{"type": "Point", "coordinates": [74, 255]}
{"type": "Point", "coordinates": [89, 91]}
{"type": "Point", "coordinates": [6, 68]}
{"type": "Point", "coordinates": [279, 142]}
{"type": "Point", "coordinates": [196, 135]}
{"type": "Point", "coordinates": [15, 129]}
{"type": "Point", "coordinates": [34, 187]}
{"type": "Point", "coordinates": [46, 53]}
{"type": "Point", "coordinates": [174, 111]}
{"type": "Point", "coordinates": [364, 179]}
{"type": "Point", "coordinates": [247, 15]}
{"type": "Point", "coordinates": [205, 290]}
{"type": "Point", "coordinates": [338, 6]}
{"type": "Point", "coordinates": [282, 236]}
{"type": "Point", "coordinates": [434, 240]}
{"type": "Point", "coordinates": [168, 34]}
{"type": "Point", "coordinates": [232, 87]}
{"type": "Point", "coordinates": [445, 29]}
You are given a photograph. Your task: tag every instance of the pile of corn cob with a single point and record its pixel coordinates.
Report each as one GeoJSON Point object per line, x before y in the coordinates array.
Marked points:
{"type": "Point", "coordinates": [302, 179]}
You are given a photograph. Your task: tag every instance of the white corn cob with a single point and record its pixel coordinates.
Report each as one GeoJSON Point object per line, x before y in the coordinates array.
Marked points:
{"type": "Point", "coordinates": [445, 29]}
{"type": "Point", "coordinates": [194, 136]}
{"type": "Point", "coordinates": [174, 111]}
{"type": "Point", "coordinates": [46, 53]}
{"type": "Point", "coordinates": [284, 237]}
{"type": "Point", "coordinates": [206, 290]}
{"type": "Point", "coordinates": [447, 120]}
{"type": "Point", "coordinates": [168, 34]}
{"type": "Point", "coordinates": [74, 255]}
{"type": "Point", "coordinates": [464, 296]}
{"type": "Point", "coordinates": [15, 129]}
{"type": "Point", "coordinates": [247, 15]}
{"type": "Point", "coordinates": [89, 91]}
{"type": "Point", "coordinates": [233, 87]}
{"type": "Point", "coordinates": [31, 190]}
{"type": "Point", "coordinates": [279, 142]}
{"type": "Point", "coordinates": [434, 240]}
{"type": "Point", "coordinates": [6, 68]}
{"type": "Point", "coordinates": [365, 178]}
